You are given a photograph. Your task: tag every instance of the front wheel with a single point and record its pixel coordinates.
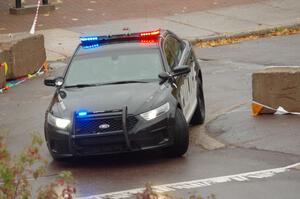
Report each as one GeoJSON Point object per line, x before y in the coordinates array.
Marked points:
{"type": "Point", "coordinates": [199, 114]}
{"type": "Point", "coordinates": [181, 136]}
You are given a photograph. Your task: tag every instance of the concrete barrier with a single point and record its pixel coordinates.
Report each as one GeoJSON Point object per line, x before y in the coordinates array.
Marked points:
{"type": "Point", "coordinates": [277, 86]}
{"type": "Point", "coordinates": [24, 54]}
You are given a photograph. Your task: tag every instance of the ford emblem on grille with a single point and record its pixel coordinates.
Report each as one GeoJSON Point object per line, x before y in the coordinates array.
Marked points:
{"type": "Point", "coordinates": [104, 126]}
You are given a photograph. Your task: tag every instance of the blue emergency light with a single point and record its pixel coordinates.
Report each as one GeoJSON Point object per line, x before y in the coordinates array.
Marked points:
{"type": "Point", "coordinates": [90, 46]}
{"type": "Point", "coordinates": [82, 113]}
{"type": "Point", "coordinates": [88, 42]}
{"type": "Point", "coordinates": [89, 38]}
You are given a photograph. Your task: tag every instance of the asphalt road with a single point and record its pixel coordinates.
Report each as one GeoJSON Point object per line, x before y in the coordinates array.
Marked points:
{"type": "Point", "coordinates": [275, 51]}
{"type": "Point", "coordinates": [237, 127]}
{"type": "Point", "coordinates": [227, 82]}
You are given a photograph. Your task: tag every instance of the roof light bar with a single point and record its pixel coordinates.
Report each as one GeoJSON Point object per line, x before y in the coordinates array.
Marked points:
{"type": "Point", "coordinates": [150, 34]}
{"type": "Point", "coordinates": [96, 41]}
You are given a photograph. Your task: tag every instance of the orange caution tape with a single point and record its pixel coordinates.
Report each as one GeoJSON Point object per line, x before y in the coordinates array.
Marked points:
{"type": "Point", "coordinates": [45, 67]}
{"type": "Point", "coordinates": [256, 109]}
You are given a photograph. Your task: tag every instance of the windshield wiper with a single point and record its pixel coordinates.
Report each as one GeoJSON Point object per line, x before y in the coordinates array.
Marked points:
{"type": "Point", "coordinates": [125, 82]}
{"type": "Point", "coordinates": [108, 83]}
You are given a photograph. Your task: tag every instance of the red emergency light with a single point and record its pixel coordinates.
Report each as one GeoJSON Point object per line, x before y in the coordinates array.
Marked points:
{"type": "Point", "coordinates": [150, 33]}
{"type": "Point", "coordinates": [145, 41]}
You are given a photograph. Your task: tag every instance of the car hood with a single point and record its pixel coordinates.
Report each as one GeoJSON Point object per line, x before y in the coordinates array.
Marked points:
{"type": "Point", "coordinates": [138, 97]}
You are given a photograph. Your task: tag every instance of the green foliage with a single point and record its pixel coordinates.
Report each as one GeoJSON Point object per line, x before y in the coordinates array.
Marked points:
{"type": "Point", "coordinates": [17, 171]}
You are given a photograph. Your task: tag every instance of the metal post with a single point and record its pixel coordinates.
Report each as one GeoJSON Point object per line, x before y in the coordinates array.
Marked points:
{"type": "Point", "coordinates": [124, 121]}
{"type": "Point", "coordinates": [45, 2]}
{"type": "Point", "coordinates": [18, 4]}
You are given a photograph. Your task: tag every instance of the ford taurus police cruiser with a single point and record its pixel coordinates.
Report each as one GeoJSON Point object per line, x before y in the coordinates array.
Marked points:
{"type": "Point", "coordinates": [125, 93]}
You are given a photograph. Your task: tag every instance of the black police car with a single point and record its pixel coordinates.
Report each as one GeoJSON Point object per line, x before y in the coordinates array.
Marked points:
{"type": "Point", "coordinates": [125, 93]}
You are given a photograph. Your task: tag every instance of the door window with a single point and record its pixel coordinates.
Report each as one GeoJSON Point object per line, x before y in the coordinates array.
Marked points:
{"type": "Point", "coordinates": [173, 50]}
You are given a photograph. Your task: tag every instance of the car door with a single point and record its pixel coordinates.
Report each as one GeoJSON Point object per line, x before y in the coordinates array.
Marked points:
{"type": "Point", "coordinates": [189, 87]}
{"type": "Point", "coordinates": [179, 53]}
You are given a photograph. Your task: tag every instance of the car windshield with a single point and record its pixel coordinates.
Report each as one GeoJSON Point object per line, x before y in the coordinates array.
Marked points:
{"type": "Point", "coordinates": [114, 66]}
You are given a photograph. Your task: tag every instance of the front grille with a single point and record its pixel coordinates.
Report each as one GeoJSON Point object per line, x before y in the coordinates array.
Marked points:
{"type": "Point", "coordinates": [91, 125]}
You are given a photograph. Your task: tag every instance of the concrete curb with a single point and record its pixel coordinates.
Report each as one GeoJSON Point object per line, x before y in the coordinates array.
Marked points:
{"type": "Point", "coordinates": [243, 34]}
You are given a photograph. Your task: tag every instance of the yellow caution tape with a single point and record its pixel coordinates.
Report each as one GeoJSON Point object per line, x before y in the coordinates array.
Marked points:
{"type": "Point", "coordinates": [5, 68]}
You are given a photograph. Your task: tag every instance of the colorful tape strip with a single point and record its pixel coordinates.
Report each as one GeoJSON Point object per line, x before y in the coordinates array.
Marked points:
{"type": "Point", "coordinates": [258, 108]}
{"type": "Point", "coordinates": [13, 83]}
{"type": "Point", "coordinates": [32, 30]}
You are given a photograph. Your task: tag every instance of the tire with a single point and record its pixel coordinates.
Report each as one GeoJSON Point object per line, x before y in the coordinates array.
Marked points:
{"type": "Point", "coordinates": [199, 114]}
{"type": "Point", "coordinates": [181, 136]}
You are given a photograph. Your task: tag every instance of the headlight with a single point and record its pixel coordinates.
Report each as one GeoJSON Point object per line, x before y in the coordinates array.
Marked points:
{"type": "Point", "coordinates": [58, 122]}
{"type": "Point", "coordinates": [150, 115]}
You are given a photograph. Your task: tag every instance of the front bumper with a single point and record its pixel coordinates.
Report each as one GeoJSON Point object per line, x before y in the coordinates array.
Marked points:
{"type": "Point", "coordinates": [145, 135]}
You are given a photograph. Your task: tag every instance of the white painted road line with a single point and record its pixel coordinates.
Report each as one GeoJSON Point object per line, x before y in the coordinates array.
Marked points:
{"type": "Point", "coordinates": [197, 183]}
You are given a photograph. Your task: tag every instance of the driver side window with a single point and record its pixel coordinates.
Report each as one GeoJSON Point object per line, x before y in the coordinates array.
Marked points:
{"type": "Point", "coordinates": [169, 55]}
{"type": "Point", "coordinates": [173, 50]}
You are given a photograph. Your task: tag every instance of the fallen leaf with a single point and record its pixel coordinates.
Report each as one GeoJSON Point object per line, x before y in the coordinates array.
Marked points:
{"type": "Point", "coordinates": [233, 40]}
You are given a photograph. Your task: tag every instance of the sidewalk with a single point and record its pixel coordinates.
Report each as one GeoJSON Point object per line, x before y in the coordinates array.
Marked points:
{"type": "Point", "coordinates": [236, 19]}
{"type": "Point", "coordinates": [70, 13]}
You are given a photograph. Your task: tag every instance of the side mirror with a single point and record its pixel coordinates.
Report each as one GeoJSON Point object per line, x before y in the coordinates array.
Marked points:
{"type": "Point", "coordinates": [181, 70]}
{"type": "Point", "coordinates": [164, 76]}
{"type": "Point", "coordinates": [54, 81]}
